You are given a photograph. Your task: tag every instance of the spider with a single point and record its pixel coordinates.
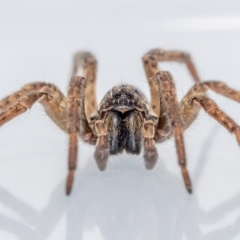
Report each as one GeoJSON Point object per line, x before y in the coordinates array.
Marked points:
{"type": "Point", "coordinates": [124, 120]}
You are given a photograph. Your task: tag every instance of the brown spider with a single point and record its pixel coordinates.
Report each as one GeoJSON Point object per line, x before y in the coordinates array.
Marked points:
{"type": "Point", "coordinates": [124, 120]}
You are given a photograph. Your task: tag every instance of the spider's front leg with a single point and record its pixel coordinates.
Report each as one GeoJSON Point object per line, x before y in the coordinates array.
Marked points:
{"type": "Point", "coordinates": [56, 107]}
{"type": "Point", "coordinates": [77, 125]}
{"type": "Point", "coordinates": [82, 103]}
{"type": "Point", "coordinates": [64, 112]}
{"type": "Point", "coordinates": [169, 98]}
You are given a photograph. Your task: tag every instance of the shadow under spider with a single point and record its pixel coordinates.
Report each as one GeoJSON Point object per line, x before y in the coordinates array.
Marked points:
{"type": "Point", "coordinates": [124, 202]}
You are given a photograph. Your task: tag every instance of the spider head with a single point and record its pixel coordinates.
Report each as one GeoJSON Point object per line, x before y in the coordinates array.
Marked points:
{"type": "Point", "coordinates": [122, 98]}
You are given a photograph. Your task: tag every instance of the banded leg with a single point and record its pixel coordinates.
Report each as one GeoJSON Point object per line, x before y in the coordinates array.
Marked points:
{"type": "Point", "coordinates": [190, 108]}
{"type": "Point", "coordinates": [167, 89]}
{"type": "Point", "coordinates": [150, 63]}
{"type": "Point", "coordinates": [213, 110]}
{"type": "Point", "coordinates": [89, 64]}
{"type": "Point", "coordinates": [75, 96]}
{"type": "Point", "coordinates": [53, 101]}
{"type": "Point", "coordinates": [196, 99]}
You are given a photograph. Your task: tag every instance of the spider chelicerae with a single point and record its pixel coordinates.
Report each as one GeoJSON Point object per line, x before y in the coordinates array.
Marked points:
{"type": "Point", "coordinates": [124, 120]}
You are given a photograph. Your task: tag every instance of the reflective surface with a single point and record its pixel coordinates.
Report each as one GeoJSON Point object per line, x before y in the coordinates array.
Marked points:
{"type": "Point", "coordinates": [126, 201]}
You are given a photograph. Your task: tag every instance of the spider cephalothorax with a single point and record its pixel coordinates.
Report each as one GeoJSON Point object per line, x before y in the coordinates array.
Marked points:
{"type": "Point", "coordinates": [123, 98]}
{"type": "Point", "coordinates": [124, 120]}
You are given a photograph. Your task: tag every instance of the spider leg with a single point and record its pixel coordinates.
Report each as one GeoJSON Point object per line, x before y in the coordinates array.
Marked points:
{"type": "Point", "coordinates": [82, 103]}
{"type": "Point", "coordinates": [65, 113]}
{"type": "Point", "coordinates": [75, 97]}
{"type": "Point", "coordinates": [150, 64]}
{"type": "Point", "coordinates": [150, 151]}
{"type": "Point", "coordinates": [169, 98]}
{"type": "Point", "coordinates": [101, 153]}
{"type": "Point", "coordinates": [53, 101]}
{"type": "Point", "coordinates": [89, 64]}
{"type": "Point", "coordinates": [196, 99]}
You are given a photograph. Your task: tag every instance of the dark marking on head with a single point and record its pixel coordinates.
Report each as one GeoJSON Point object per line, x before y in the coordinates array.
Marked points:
{"type": "Point", "coordinates": [122, 98]}
{"type": "Point", "coordinates": [146, 62]}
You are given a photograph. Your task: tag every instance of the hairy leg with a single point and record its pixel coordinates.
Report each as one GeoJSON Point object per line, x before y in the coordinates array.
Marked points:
{"type": "Point", "coordinates": [167, 90]}
{"type": "Point", "coordinates": [196, 99]}
{"type": "Point", "coordinates": [101, 153]}
{"type": "Point", "coordinates": [53, 101]}
{"type": "Point", "coordinates": [150, 63]}
{"type": "Point", "coordinates": [75, 96]}
{"type": "Point", "coordinates": [215, 112]}
{"type": "Point", "coordinates": [89, 64]}
{"type": "Point", "coordinates": [190, 108]}
{"type": "Point", "coordinates": [150, 151]}
{"type": "Point", "coordinates": [65, 113]}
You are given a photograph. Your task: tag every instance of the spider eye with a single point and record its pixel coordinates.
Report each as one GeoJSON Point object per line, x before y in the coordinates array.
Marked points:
{"type": "Point", "coordinates": [129, 95]}
{"type": "Point", "coordinates": [117, 95]}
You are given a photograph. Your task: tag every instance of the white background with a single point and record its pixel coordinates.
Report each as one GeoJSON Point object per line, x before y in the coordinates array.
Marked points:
{"type": "Point", "coordinates": [37, 41]}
